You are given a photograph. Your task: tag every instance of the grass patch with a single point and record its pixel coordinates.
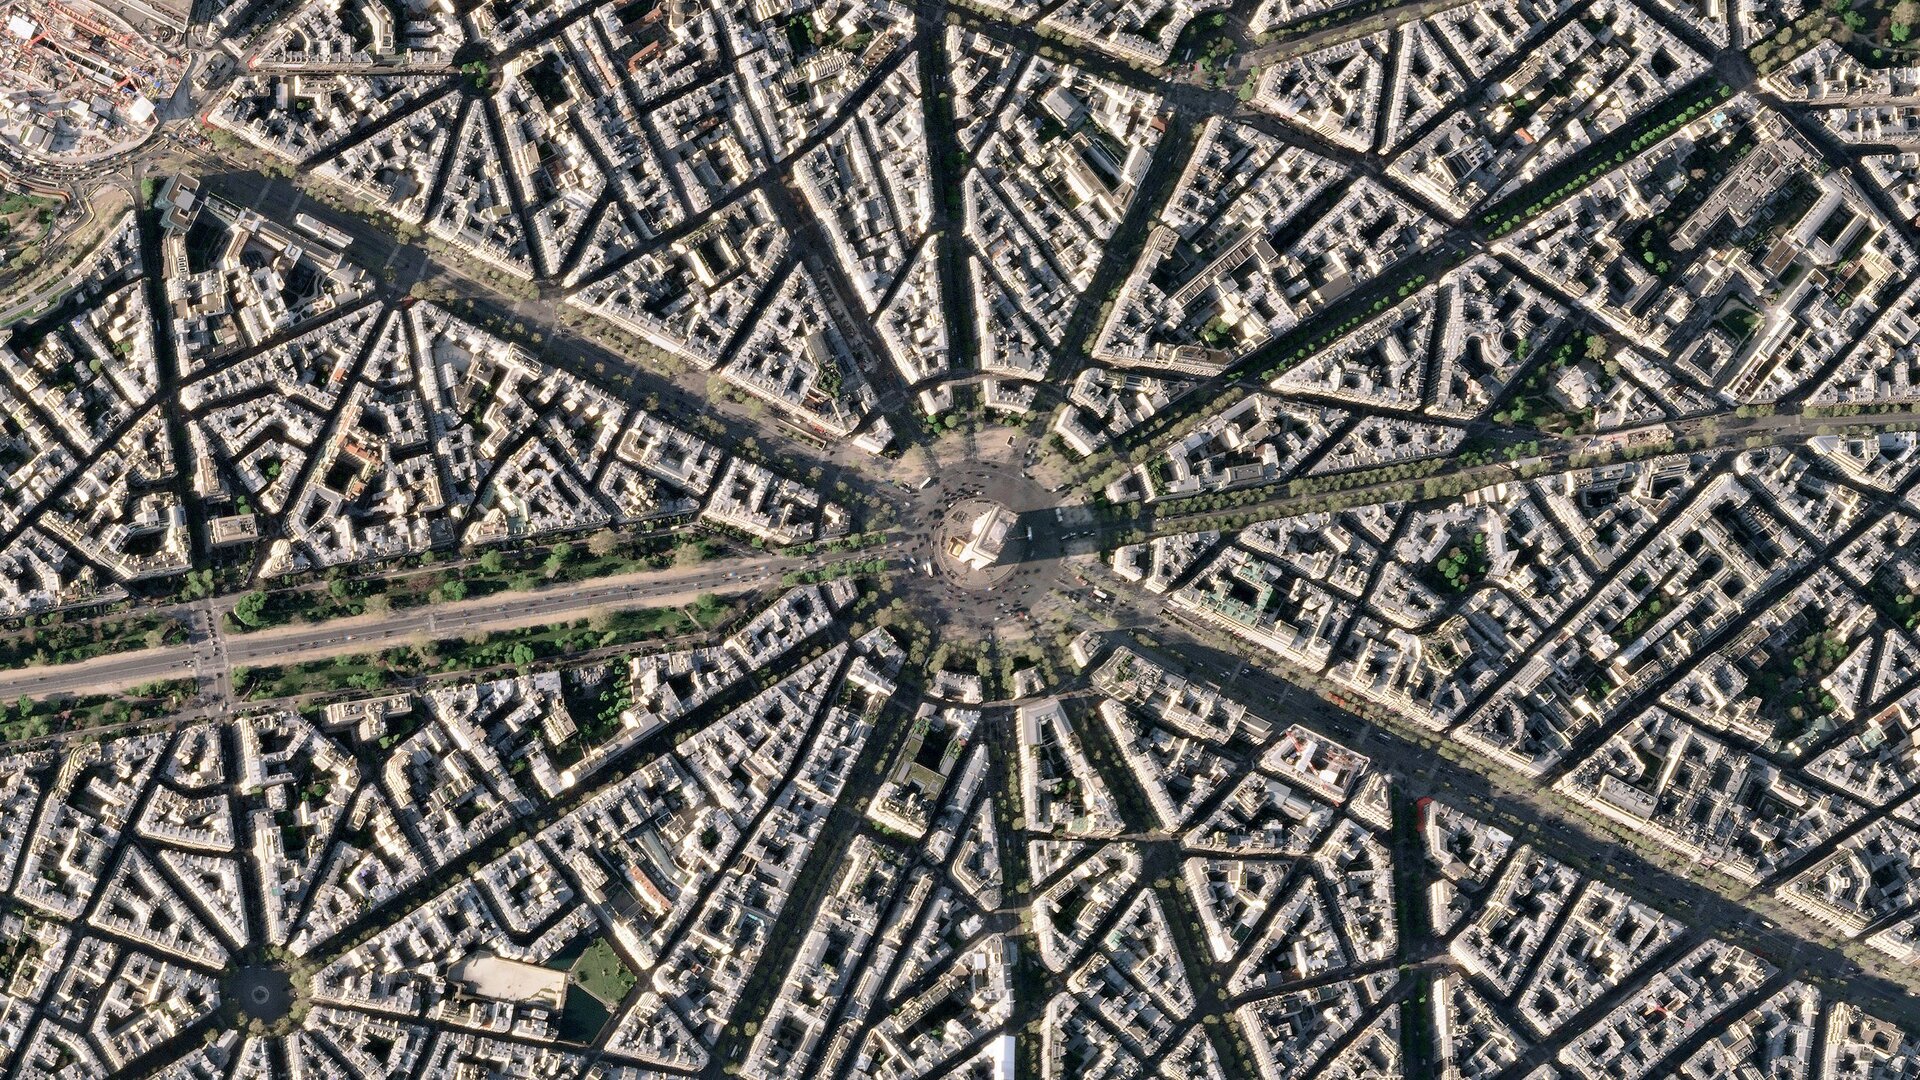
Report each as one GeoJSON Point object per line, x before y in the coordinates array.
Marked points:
{"type": "Point", "coordinates": [1461, 565]}
{"type": "Point", "coordinates": [51, 639]}
{"type": "Point", "coordinates": [31, 719]}
{"type": "Point", "coordinates": [601, 973]}
{"type": "Point", "coordinates": [375, 671]}
{"type": "Point", "coordinates": [1638, 620]}
{"type": "Point", "coordinates": [344, 594]}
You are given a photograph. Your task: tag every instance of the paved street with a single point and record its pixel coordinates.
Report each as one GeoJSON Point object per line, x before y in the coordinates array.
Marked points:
{"type": "Point", "coordinates": [214, 656]}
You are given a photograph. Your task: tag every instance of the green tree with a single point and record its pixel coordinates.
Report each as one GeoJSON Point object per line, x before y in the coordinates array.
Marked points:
{"type": "Point", "coordinates": [250, 610]}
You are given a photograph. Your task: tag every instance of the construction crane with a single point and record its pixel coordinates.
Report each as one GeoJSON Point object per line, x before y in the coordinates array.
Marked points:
{"type": "Point", "coordinates": [125, 54]}
{"type": "Point", "coordinates": [84, 22]}
{"type": "Point", "coordinates": [54, 50]}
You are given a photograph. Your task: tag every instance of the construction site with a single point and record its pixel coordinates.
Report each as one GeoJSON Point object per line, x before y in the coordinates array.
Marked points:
{"type": "Point", "coordinates": [81, 81]}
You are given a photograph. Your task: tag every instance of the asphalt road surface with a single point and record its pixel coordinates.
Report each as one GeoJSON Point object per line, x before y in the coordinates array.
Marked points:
{"type": "Point", "coordinates": [288, 644]}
